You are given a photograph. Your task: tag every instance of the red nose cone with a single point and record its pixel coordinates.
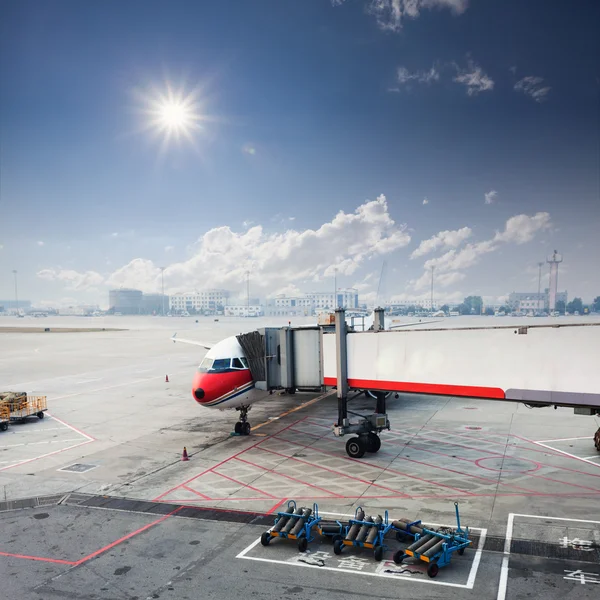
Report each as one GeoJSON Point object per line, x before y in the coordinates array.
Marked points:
{"type": "Point", "coordinates": [198, 391]}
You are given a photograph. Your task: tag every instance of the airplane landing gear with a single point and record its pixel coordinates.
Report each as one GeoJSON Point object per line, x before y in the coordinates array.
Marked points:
{"type": "Point", "coordinates": [242, 427]}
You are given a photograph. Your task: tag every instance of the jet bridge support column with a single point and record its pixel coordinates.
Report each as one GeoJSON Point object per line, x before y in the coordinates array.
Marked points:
{"type": "Point", "coordinates": [341, 366]}
{"type": "Point", "coordinates": [369, 426]}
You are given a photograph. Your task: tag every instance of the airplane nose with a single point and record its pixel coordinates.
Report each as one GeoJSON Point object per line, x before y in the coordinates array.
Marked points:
{"type": "Point", "coordinates": [199, 393]}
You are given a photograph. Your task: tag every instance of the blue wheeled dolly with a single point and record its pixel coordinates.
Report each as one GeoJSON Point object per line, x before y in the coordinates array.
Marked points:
{"type": "Point", "coordinates": [294, 524]}
{"type": "Point", "coordinates": [433, 547]}
{"type": "Point", "coordinates": [365, 532]}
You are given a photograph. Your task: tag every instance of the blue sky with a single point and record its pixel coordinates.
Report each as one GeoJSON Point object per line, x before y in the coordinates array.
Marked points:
{"type": "Point", "coordinates": [309, 108]}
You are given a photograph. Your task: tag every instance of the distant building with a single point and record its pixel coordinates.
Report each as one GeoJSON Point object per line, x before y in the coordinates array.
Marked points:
{"type": "Point", "coordinates": [244, 310]}
{"type": "Point", "coordinates": [210, 301]}
{"type": "Point", "coordinates": [84, 310]}
{"type": "Point", "coordinates": [125, 301]}
{"type": "Point", "coordinates": [328, 300]}
{"type": "Point", "coordinates": [533, 302]}
{"type": "Point", "coordinates": [292, 306]}
{"type": "Point", "coordinates": [155, 304]}
{"type": "Point", "coordinates": [9, 305]}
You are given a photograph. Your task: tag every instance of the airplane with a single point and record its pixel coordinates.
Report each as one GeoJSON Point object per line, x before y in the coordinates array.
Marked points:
{"type": "Point", "coordinates": [223, 379]}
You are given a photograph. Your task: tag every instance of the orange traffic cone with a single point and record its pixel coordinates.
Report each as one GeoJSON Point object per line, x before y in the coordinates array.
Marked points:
{"type": "Point", "coordinates": [166, 379]}
{"type": "Point", "coordinates": [185, 456]}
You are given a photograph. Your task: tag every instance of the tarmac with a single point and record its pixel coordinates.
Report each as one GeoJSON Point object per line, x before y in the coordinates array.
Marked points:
{"type": "Point", "coordinates": [105, 469]}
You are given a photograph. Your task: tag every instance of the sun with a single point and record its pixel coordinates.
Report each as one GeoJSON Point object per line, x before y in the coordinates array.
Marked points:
{"type": "Point", "coordinates": [173, 115]}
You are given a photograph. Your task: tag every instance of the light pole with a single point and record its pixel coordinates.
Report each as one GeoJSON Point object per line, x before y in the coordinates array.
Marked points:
{"type": "Point", "coordinates": [432, 270]}
{"type": "Point", "coordinates": [16, 292]}
{"type": "Point", "coordinates": [162, 298]}
{"type": "Point", "coordinates": [248, 293]}
{"type": "Point", "coordinates": [540, 265]}
{"type": "Point", "coordinates": [335, 302]}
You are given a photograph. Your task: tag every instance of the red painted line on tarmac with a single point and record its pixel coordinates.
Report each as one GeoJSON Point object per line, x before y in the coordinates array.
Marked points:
{"type": "Point", "coordinates": [469, 391]}
{"type": "Point", "coordinates": [97, 552]}
{"type": "Point", "coordinates": [87, 435]}
{"type": "Point", "coordinates": [38, 558]}
{"type": "Point", "coordinates": [223, 462]}
{"type": "Point", "coordinates": [470, 437]}
{"type": "Point", "coordinates": [526, 449]}
{"type": "Point", "coordinates": [369, 483]}
{"type": "Point", "coordinates": [387, 469]}
{"type": "Point", "coordinates": [311, 485]}
{"type": "Point", "coordinates": [413, 447]}
{"type": "Point", "coordinates": [127, 537]}
{"type": "Point", "coordinates": [562, 455]}
{"type": "Point", "coordinates": [244, 484]}
{"type": "Point", "coordinates": [189, 489]}
{"type": "Point", "coordinates": [276, 506]}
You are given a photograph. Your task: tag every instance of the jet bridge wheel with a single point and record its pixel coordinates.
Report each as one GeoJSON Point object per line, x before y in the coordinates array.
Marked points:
{"type": "Point", "coordinates": [356, 447]}
{"type": "Point", "coordinates": [373, 442]}
{"type": "Point", "coordinates": [597, 440]}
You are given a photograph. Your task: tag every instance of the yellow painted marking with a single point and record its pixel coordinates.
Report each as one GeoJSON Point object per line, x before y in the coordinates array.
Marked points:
{"type": "Point", "coordinates": [409, 552]}
{"type": "Point", "coordinates": [292, 410]}
{"type": "Point", "coordinates": [368, 545]}
{"type": "Point", "coordinates": [424, 558]}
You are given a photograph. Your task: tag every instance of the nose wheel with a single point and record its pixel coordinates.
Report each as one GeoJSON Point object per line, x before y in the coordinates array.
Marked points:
{"type": "Point", "coordinates": [242, 427]}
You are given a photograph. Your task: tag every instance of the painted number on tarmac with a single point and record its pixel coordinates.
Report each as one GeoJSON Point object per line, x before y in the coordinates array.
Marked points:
{"type": "Point", "coordinates": [582, 577]}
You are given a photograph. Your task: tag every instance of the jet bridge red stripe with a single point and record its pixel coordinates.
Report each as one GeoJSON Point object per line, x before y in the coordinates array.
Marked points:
{"type": "Point", "coordinates": [422, 388]}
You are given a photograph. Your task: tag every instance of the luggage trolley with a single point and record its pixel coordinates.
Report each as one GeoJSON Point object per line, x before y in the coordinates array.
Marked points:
{"type": "Point", "coordinates": [433, 547]}
{"type": "Point", "coordinates": [295, 524]}
{"type": "Point", "coordinates": [4, 417]}
{"type": "Point", "coordinates": [365, 533]}
{"type": "Point", "coordinates": [27, 406]}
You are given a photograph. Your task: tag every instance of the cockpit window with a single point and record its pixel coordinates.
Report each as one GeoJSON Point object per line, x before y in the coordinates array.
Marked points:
{"type": "Point", "coordinates": [236, 363]}
{"type": "Point", "coordinates": [244, 362]}
{"type": "Point", "coordinates": [215, 365]}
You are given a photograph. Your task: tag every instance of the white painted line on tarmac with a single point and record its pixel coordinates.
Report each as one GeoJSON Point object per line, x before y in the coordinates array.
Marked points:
{"type": "Point", "coordinates": [110, 387]}
{"type": "Point", "coordinates": [587, 437]}
{"type": "Point", "coordinates": [507, 542]}
{"type": "Point", "coordinates": [88, 380]}
{"type": "Point", "coordinates": [470, 580]}
{"type": "Point", "coordinates": [557, 518]}
{"type": "Point", "coordinates": [23, 462]}
{"type": "Point", "coordinates": [35, 443]}
{"type": "Point", "coordinates": [505, 559]}
{"type": "Point", "coordinates": [585, 460]}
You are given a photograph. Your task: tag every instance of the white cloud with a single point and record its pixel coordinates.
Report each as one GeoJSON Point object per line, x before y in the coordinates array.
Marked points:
{"type": "Point", "coordinates": [115, 234]}
{"type": "Point", "coordinates": [473, 78]}
{"type": "Point", "coordinates": [450, 239]}
{"type": "Point", "coordinates": [390, 14]}
{"type": "Point", "coordinates": [73, 280]}
{"type": "Point", "coordinates": [404, 76]}
{"type": "Point", "coordinates": [518, 230]}
{"type": "Point", "coordinates": [221, 256]}
{"type": "Point", "coordinates": [490, 196]}
{"type": "Point", "coordinates": [169, 248]}
{"type": "Point", "coordinates": [533, 87]}
{"type": "Point", "coordinates": [521, 228]}
{"type": "Point", "coordinates": [249, 149]}
{"type": "Point", "coordinates": [40, 243]}
{"type": "Point", "coordinates": [1, 246]}
{"type": "Point", "coordinates": [425, 201]}
{"type": "Point", "coordinates": [447, 279]}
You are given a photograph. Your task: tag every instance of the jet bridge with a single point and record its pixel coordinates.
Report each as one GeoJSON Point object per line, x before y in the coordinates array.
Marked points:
{"type": "Point", "coordinates": [539, 365]}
